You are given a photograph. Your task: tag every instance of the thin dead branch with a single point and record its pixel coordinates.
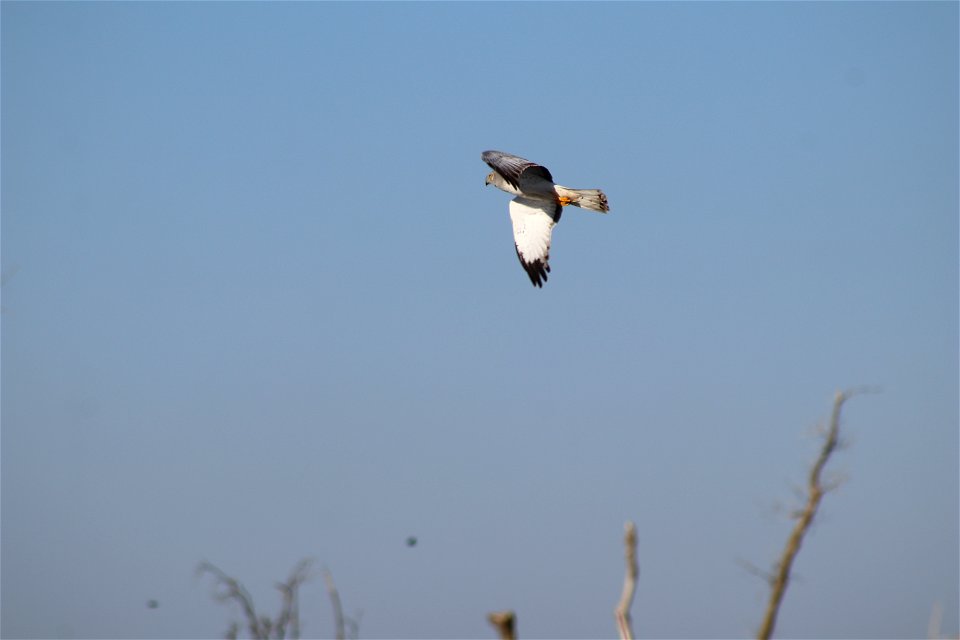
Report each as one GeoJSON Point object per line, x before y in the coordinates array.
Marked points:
{"type": "Point", "coordinates": [622, 611]}
{"type": "Point", "coordinates": [352, 625]}
{"type": "Point", "coordinates": [815, 490]}
{"type": "Point", "coordinates": [230, 589]}
{"type": "Point", "coordinates": [262, 627]}
{"type": "Point", "coordinates": [753, 569]}
{"type": "Point", "coordinates": [290, 613]}
{"type": "Point", "coordinates": [335, 602]}
{"type": "Point", "coordinates": [505, 622]}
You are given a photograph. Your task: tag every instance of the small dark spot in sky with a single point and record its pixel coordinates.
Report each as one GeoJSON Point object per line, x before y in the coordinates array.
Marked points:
{"type": "Point", "coordinates": [152, 604]}
{"type": "Point", "coordinates": [412, 541]}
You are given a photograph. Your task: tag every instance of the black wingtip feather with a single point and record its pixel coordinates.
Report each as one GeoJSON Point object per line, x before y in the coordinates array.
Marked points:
{"type": "Point", "coordinates": [537, 270]}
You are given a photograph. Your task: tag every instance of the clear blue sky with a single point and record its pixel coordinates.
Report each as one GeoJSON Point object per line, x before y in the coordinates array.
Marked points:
{"type": "Point", "coordinates": [259, 305]}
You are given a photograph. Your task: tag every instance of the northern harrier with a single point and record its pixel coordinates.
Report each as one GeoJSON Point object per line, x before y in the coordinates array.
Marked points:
{"type": "Point", "coordinates": [537, 207]}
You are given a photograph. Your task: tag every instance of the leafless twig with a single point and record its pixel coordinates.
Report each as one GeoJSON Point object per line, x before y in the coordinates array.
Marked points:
{"type": "Point", "coordinates": [262, 627]}
{"type": "Point", "coordinates": [231, 589]}
{"type": "Point", "coordinates": [352, 625]}
{"type": "Point", "coordinates": [290, 613]}
{"type": "Point", "coordinates": [335, 602]}
{"type": "Point", "coordinates": [622, 612]}
{"type": "Point", "coordinates": [815, 490]}
{"type": "Point", "coordinates": [505, 623]}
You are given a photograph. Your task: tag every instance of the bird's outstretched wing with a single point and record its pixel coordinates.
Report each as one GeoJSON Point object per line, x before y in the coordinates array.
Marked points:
{"type": "Point", "coordinates": [533, 222]}
{"type": "Point", "coordinates": [512, 168]}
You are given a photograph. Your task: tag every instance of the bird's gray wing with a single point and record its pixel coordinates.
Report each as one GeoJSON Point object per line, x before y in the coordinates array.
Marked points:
{"type": "Point", "coordinates": [513, 167]}
{"type": "Point", "coordinates": [533, 222]}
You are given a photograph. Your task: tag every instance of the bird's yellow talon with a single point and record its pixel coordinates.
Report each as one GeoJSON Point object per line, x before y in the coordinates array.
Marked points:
{"type": "Point", "coordinates": [564, 201]}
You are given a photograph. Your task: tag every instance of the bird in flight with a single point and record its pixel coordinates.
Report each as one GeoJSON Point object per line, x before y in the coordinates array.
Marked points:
{"type": "Point", "coordinates": [536, 208]}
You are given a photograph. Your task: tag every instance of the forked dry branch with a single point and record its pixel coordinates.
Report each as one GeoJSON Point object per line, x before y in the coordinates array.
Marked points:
{"type": "Point", "coordinates": [815, 490]}
{"type": "Point", "coordinates": [284, 625]}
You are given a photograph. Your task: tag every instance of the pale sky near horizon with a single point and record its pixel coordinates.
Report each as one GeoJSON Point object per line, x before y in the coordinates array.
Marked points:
{"type": "Point", "coordinates": [259, 306]}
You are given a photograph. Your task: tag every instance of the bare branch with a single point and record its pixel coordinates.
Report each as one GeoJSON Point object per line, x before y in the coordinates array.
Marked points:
{"type": "Point", "coordinates": [505, 622]}
{"type": "Point", "coordinates": [290, 613]}
{"type": "Point", "coordinates": [262, 627]}
{"type": "Point", "coordinates": [266, 626]}
{"type": "Point", "coordinates": [753, 569]}
{"type": "Point", "coordinates": [353, 625]}
{"type": "Point", "coordinates": [815, 491]}
{"type": "Point", "coordinates": [335, 602]}
{"type": "Point", "coordinates": [230, 589]}
{"type": "Point", "coordinates": [622, 612]}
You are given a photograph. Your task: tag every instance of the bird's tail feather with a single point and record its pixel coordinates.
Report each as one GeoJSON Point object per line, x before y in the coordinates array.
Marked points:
{"type": "Point", "coordinates": [592, 199]}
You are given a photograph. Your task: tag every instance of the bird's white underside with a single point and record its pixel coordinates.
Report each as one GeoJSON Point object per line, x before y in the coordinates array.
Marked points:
{"type": "Point", "coordinates": [532, 227]}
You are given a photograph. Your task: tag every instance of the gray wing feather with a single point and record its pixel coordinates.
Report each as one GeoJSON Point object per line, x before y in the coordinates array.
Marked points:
{"type": "Point", "coordinates": [512, 168]}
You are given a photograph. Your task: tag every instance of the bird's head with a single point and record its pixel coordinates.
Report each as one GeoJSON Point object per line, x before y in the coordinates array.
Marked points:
{"type": "Point", "coordinates": [491, 178]}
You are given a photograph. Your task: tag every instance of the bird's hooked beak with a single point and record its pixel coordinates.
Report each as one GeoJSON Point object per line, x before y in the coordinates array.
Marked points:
{"type": "Point", "coordinates": [486, 182]}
